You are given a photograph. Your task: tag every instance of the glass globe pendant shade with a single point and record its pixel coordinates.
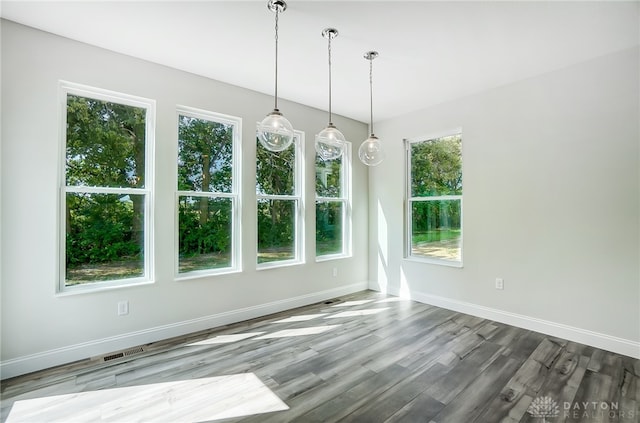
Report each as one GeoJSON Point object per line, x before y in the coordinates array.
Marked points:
{"type": "Point", "coordinates": [370, 151]}
{"type": "Point", "coordinates": [275, 132]}
{"type": "Point", "coordinates": [330, 143]}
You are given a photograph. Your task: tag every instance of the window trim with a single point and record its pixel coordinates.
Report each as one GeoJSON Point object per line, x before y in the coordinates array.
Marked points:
{"type": "Point", "coordinates": [234, 195]}
{"type": "Point", "coordinates": [409, 200]}
{"type": "Point", "coordinates": [298, 197]}
{"type": "Point", "coordinates": [66, 88]}
{"type": "Point", "coordinates": [346, 200]}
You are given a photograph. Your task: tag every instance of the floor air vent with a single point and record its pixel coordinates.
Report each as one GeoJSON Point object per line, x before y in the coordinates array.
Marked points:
{"type": "Point", "coordinates": [121, 354]}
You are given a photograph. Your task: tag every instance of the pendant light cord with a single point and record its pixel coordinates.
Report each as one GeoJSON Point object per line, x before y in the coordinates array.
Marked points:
{"type": "Point", "coordinates": [276, 90]}
{"type": "Point", "coordinates": [371, 94]}
{"type": "Point", "coordinates": [330, 120]}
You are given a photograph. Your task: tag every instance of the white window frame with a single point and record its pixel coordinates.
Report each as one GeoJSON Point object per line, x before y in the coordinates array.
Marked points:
{"type": "Point", "coordinates": [409, 200]}
{"type": "Point", "coordinates": [69, 88]}
{"type": "Point", "coordinates": [298, 197]}
{"type": "Point", "coordinates": [345, 199]}
{"type": "Point", "coordinates": [234, 195]}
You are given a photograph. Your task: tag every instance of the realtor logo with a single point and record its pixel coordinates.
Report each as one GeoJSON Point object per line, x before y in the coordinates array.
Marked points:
{"type": "Point", "coordinates": [543, 407]}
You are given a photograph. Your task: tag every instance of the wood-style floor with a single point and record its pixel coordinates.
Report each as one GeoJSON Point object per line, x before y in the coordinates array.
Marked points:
{"type": "Point", "coordinates": [362, 358]}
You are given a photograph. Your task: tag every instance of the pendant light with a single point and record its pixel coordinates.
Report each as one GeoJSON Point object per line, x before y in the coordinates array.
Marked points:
{"type": "Point", "coordinates": [275, 132]}
{"type": "Point", "coordinates": [370, 151]}
{"type": "Point", "coordinates": [330, 142]}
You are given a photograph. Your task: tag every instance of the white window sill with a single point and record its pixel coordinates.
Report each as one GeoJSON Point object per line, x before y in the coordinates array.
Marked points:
{"type": "Point", "coordinates": [199, 274]}
{"type": "Point", "coordinates": [94, 287]}
{"type": "Point", "coordinates": [426, 260]}
{"type": "Point", "coordinates": [277, 264]}
{"type": "Point", "coordinates": [329, 257]}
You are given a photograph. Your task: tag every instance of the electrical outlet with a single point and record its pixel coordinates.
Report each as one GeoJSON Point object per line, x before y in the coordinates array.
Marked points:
{"type": "Point", "coordinates": [499, 283]}
{"type": "Point", "coordinates": [123, 308]}
{"type": "Point", "coordinates": [335, 272]}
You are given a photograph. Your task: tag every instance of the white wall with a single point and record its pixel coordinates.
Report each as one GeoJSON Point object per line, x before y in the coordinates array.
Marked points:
{"type": "Point", "coordinates": [40, 329]}
{"type": "Point", "coordinates": [551, 204]}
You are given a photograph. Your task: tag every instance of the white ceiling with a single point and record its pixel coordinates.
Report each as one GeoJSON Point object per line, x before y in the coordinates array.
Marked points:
{"type": "Point", "coordinates": [430, 52]}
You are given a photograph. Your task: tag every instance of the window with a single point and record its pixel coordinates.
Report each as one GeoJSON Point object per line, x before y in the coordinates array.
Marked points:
{"type": "Point", "coordinates": [208, 186]}
{"type": "Point", "coordinates": [279, 197]}
{"type": "Point", "coordinates": [434, 206]}
{"type": "Point", "coordinates": [333, 206]}
{"type": "Point", "coordinates": [106, 192]}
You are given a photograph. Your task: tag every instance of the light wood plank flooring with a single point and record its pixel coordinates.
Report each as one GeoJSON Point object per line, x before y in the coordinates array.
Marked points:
{"type": "Point", "coordinates": [365, 357]}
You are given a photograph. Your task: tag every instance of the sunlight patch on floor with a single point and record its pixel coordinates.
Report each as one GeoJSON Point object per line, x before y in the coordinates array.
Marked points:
{"type": "Point", "coordinates": [314, 330]}
{"type": "Point", "coordinates": [225, 339]}
{"type": "Point", "coordinates": [196, 400]}
{"type": "Point", "coordinates": [300, 318]}
{"type": "Point", "coordinates": [357, 313]}
{"type": "Point", "coordinates": [352, 303]}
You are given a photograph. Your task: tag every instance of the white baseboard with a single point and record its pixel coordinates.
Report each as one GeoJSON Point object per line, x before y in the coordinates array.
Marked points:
{"type": "Point", "coordinates": [583, 336]}
{"type": "Point", "coordinates": [34, 362]}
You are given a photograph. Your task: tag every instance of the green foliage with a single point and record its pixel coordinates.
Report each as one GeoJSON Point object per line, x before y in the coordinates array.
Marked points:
{"type": "Point", "coordinates": [105, 143]}
{"type": "Point", "coordinates": [275, 172]}
{"type": "Point", "coordinates": [328, 177]}
{"type": "Point", "coordinates": [205, 164]}
{"type": "Point", "coordinates": [205, 153]}
{"type": "Point", "coordinates": [430, 216]}
{"type": "Point", "coordinates": [100, 229]}
{"type": "Point", "coordinates": [329, 213]}
{"type": "Point", "coordinates": [105, 147]}
{"type": "Point", "coordinates": [445, 212]}
{"type": "Point", "coordinates": [276, 223]}
{"type": "Point", "coordinates": [436, 167]}
{"type": "Point", "coordinates": [329, 227]}
{"type": "Point", "coordinates": [435, 236]}
{"type": "Point", "coordinates": [275, 175]}
{"type": "Point", "coordinates": [213, 235]}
